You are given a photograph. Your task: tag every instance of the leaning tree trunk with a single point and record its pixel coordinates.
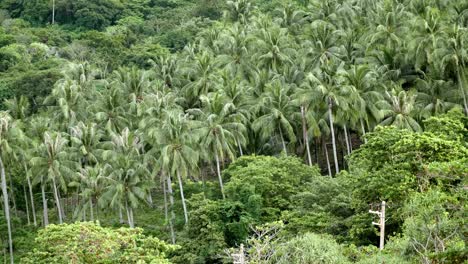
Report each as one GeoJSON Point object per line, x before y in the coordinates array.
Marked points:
{"type": "Point", "coordinates": [283, 142]}
{"type": "Point", "coordinates": [27, 205]}
{"type": "Point", "coordinates": [57, 201]}
{"type": "Point", "coordinates": [306, 136]}
{"type": "Point", "coordinates": [6, 208]}
{"type": "Point", "coordinates": [348, 150]}
{"type": "Point", "coordinates": [218, 170]}
{"type": "Point", "coordinates": [44, 205]}
{"type": "Point", "coordinates": [463, 92]}
{"type": "Point", "coordinates": [332, 130]}
{"type": "Point", "coordinates": [241, 152]}
{"type": "Point", "coordinates": [179, 178]}
{"type": "Point", "coordinates": [327, 158]}
{"type": "Point", "coordinates": [171, 200]}
{"type": "Point", "coordinates": [33, 208]}
{"type": "Point", "coordinates": [363, 128]}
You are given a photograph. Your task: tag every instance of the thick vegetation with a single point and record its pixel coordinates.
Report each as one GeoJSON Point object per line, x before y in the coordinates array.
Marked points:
{"type": "Point", "coordinates": [210, 124]}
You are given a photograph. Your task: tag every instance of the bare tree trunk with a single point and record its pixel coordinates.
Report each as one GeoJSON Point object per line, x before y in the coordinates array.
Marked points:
{"type": "Point", "coordinates": [325, 148]}
{"type": "Point", "coordinates": [44, 206]}
{"type": "Point", "coordinates": [171, 200]}
{"type": "Point", "coordinates": [462, 89]}
{"type": "Point", "coordinates": [218, 170]}
{"type": "Point", "coordinates": [53, 12]}
{"type": "Point", "coordinates": [61, 205]}
{"type": "Point", "coordinates": [129, 218]}
{"type": "Point", "coordinates": [150, 199]}
{"type": "Point", "coordinates": [57, 201]}
{"type": "Point", "coordinates": [27, 205]}
{"type": "Point", "coordinates": [32, 201]}
{"type": "Point", "coordinates": [6, 208]}
{"type": "Point", "coordinates": [363, 128]}
{"type": "Point", "coordinates": [332, 131]}
{"type": "Point", "coordinates": [348, 150]}
{"type": "Point", "coordinates": [179, 178]}
{"type": "Point", "coordinates": [12, 196]}
{"type": "Point", "coordinates": [91, 208]}
{"type": "Point", "coordinates": [305, 135]}
{"type": "Point", "coordinates": [240, 147]}
{"type": "Point", "coordinates": [121, 221]}
{"type": "Point", "coordinates": [283, 142]}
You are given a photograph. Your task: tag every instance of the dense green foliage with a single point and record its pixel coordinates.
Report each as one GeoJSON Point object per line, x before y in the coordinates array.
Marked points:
{"type": "Point", "coordinates": [212, 123]}
{"type": "Point", "coordinates": [90, 243]}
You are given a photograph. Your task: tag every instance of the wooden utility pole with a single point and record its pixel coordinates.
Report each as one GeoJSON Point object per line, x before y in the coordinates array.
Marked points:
{"type": "Point", "coordinates": [239, 258]}
{"type": "Point", "coordinates": [381, 224]}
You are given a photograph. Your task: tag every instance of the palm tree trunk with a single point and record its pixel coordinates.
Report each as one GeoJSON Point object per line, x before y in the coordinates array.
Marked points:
{"type": "Point", "coordinates": [327, 158]}
{"type": "Point", "coordinates": [150, 199]}
{"type": "Point", "coordinates": [44, 205]}
{"type": "Point", "coordinates": [53, 12]}
{"type": "Point", "coordinates": [240, 147]}
{"type": "Point", "coordinates": [12, 196]}
{"type": "Point", "coordinates": [61, 205]}
{"type": "Point", "coordinates": [27, 205]}
{"type": "Point", "coordinates": [33, 208]}
{"type": "Point", "coordinates": [57, 201]}
{"type": "Point", "coordinates": [6, 208]}
{"type": "Point", "coordinates": [179, 178]}
{"type": "Point", "coordinates": [348, 150]}
{"type": "Point", "coordinates": [171, 200]}
{"type": "Point", "coordinates": [363, 128]}
{"type": "Point", "coordinates": [282, 141]}
{"type": "Point", "coordinates": [462, 89]}
{"type": "Point", "coordinates": [306, 136]}
{"type": "Point", "coordinates": [91, 208]}
{"type": "Point", "coordinates": [332, 131]}
{"type": "Point", "coordinates": [219, 174]}
{"type": "Point", "coordinates": [129, 218]}
{"type": "Point", "coordinates": [121, 221]}
{"type": "Point", "coordinates": [350, 140]}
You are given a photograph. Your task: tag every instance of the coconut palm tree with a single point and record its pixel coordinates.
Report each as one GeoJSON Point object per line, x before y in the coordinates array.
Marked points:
{"type": "Point", "coordinates": [5, 127]}
{"type": "Point", "coordinates": [274, 114]}
{"type": "Point", "coordinates": [400, 108]}
{"type": "Point", "coordinates": [175, 137]}
{"type": "Point", "coordinates": [220, 128]}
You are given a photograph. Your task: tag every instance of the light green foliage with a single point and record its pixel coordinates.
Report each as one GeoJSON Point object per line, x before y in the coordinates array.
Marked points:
{"type": "Point", "coordinates": [265, 185]}
{"type": "Point", "coordinates": [91, 243]}
{"type": "Point", "coordinates": [308, 249]}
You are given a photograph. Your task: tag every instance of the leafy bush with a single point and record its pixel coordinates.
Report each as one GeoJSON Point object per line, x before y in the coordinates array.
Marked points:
{"type": "Point", "coordinates": [91, 243]}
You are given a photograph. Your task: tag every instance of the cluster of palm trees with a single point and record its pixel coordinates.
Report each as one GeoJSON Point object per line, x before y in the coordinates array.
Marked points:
{"type": "Point", "coordinates": [289, 82]}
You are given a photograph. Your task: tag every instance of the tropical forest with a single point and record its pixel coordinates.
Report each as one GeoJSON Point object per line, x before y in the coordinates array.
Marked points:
{"type": "Point", "coordinates": [234, 131]}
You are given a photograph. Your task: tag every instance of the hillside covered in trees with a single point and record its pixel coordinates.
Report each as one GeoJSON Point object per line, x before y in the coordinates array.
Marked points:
{"type": "Point", "coordinates": [245, 131]}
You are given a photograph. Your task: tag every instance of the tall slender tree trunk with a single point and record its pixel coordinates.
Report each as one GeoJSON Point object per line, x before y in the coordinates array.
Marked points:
{"type": "Point", "coordinates": [348, 150]}
{"type": "Point", "coordinates": [12, 196]}
{"type": "Point", "coordinates": [218, 170]}
{"type": "Point", "coordinates": [462, 90]}
{"type": "Point", "coordinates": [33, 208]}
{"type": "Point", "coordinates": [6, 208]}
{"type": "Point", "coordinates": [363, 128]}
{"type": "Point", "coordinates": [305, 135]}
{"type": "Point", "coordinates": [129, 218]}
{"type": "Point", "coordinates": [62, 206]}
{"type": "Point", "coordinates": [327, 159]}
{"type": "Point", "coordinates": [27, 204]}
{"type": "Point", "coordinates": [150, 199]}
{"type": "Point", "coordinates": [121, 221]}
{"type": "Point", "coordinates": [45, 210]}
{"type": "Point", "coordinates": [350, 140]}
{"type": "Point", "coordinates": [240, 147]}
{"type": "Point", "coordinates": [179, 178]}
{"type": "Point", "coordinates": [171, 200]}
{"type": "Point", "coordinates": [57, 201]}
{"type": "Point", "coordinates": [332, 131]}
{"type": "Point", "coordinates": [91, 209]}
{"type": "Point", "coordinates": [283, 142]}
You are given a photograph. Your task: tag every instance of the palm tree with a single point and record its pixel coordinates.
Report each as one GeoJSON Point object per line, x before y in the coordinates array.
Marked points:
{"type": "Point", "coordinates": [275, 110]}
{"type": "Point", "coordinates": [55, 160]}
{"type": "Point", "coordinates": [5, 126]}
{"type": "Point", "coordinates": [220, 128]}
{"type": "Point", "coordinates": [399, 109]}
{"type": "Point", "coordinates": [127, 180]}
{"type": "Point", "coordinates": [175, 138]}
{"type": "Point", "coordinates": [334, 93]}
{"type": "Point", "coordinates": [90, 183]}
{"type": "Point", "coordinates": [452, 52]}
